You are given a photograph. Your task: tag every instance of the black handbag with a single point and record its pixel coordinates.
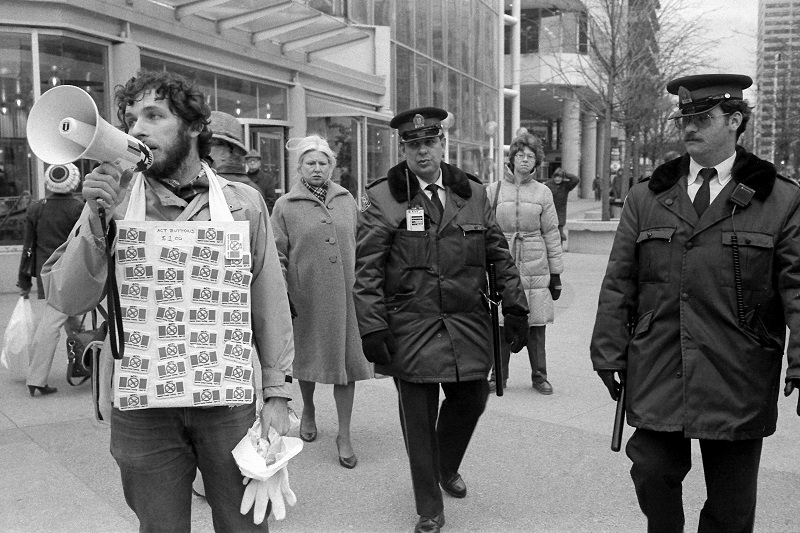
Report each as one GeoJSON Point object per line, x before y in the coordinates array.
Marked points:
{"type": "Point", "coordinates": [80, 347]}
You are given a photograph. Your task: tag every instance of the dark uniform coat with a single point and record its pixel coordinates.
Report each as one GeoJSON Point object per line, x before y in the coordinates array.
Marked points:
{"type": "Point", "coordinates": [425, 286]}
{"type": "Point", "coordinates": [691, 366]}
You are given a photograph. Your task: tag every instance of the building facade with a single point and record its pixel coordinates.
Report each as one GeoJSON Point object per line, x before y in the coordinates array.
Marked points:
{"type": "Point", "coordinates": [778, 80]}
{"type": "Point", "coordinates": [285, 68]}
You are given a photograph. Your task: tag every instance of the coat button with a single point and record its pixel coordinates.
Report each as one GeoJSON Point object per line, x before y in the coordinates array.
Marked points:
{"type": "Point", "coordinates": [689, 245]}
{"type": "Point", "coordinates": [669, 201]}
{"type": "Point", "coordinates": [649, 233]}
{"type": "Point", "coordinates": [679, 374]}
{"type": "Point", "coordinates": [333, 258]}
{"type": "Point", "coordinates": [684, 296]}
{"type": "Point", "coordinates": [332, 240]}
{"type": "Point", "coordinates": [439, 335]}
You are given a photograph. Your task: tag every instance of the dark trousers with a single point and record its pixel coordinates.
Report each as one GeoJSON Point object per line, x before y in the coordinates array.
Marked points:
{"type": "Point", "coordinates": [536, 354]}
{"type": "Point", "coordinates": [661, 461]}
{"type": "Point", "coordinates": [435, 448]}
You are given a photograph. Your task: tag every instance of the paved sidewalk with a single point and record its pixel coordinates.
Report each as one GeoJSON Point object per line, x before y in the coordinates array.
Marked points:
{"type": "Point", "coordinates": [536, 463]}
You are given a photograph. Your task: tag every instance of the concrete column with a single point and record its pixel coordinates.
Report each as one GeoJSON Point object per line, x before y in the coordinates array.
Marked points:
{"type": "Point", "coordinates": [125, 63]}
{"type": "Point", "coordinates": [588, 154]}
{"type": "Point", "coordinates": [297, 108]}
{"type": "Point", "coordinates": [571, 138]}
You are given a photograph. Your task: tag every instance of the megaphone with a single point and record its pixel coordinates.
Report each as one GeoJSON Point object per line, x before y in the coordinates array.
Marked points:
{"type": "Point", "coordinates": [64, 126]}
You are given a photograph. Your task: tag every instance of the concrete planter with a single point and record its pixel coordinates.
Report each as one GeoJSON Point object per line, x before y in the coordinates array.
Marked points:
{"type": "Point", "coordinates": [591, 236]}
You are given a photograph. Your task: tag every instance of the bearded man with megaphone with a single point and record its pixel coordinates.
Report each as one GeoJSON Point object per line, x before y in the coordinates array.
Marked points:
{"type": "Point", "coordinates": [190, 247]}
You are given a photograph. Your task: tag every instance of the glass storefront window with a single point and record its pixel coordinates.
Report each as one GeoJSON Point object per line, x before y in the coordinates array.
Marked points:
{"type": "Point", "coordinates": [437, 32]}
{"type": "Point", "coordinates": [439, 85]}
{"type": "Point", "coordinates": [403, 78]}
{"type": "Point", "coordinates": [422, 22]}
{"type": "Point", "coordinates": [403, 22]}
{"type": "Point", "coordinates": [240, 97]}
{"type": "Point", "coordinates": [453, 34]}
{"type": "Point", "coordinates": [422, 72]}
{"type": "Point", "coordinates": [340, 132]}
{"type": "Point", "coordinates": [380, 139]}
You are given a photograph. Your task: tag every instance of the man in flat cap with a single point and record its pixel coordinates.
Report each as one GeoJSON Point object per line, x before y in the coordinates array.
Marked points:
{"type": "Point", "coordinates": [701, 284]}
{"type": "Point", "coordinates": [425, 237]}
{"type": "Point", "coordinates": [265, 183]}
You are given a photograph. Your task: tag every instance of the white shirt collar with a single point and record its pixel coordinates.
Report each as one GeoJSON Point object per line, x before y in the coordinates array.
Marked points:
{"type": "Point", "coordinates": [723, 170]}
{"type": "Point", "coordinates": [423, 183]}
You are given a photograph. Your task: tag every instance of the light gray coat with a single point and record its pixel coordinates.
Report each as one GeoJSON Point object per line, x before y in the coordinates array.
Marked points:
{"type": "Point", "coordinates": [317, 248]}
{"type": "Point", "coordinates": [526, 214]}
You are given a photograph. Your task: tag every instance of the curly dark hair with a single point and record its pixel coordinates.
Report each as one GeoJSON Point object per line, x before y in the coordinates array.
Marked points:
{"type": "Point", "coordinates": [183, 97]}
{"type": "Point", "coordinates": [743, 107]}
{"type": "Point", "coordinates": [526, 140]}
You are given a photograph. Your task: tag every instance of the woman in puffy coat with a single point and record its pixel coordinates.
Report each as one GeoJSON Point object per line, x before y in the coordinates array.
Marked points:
{"type": "Point", "coordinates": [525, 212]}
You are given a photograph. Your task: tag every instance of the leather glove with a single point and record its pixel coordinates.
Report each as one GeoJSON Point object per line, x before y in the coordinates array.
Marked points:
{"type": "Point", "coordinates": [379, 346]}
{"type": "Point", "coordinates": [555, 286]}
{"type": "Point", "coordinates": [612, 384]}
{"type": "Point", "coordinates": [516, 331]}
{"type": "Point", "coordinates": [791, 385]}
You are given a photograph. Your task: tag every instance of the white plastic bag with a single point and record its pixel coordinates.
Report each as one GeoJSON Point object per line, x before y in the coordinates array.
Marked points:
{"type": "Point", "coordinates": [17, 340]}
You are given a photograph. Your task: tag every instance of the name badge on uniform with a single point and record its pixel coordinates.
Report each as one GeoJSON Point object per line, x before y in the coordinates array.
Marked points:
{"type": "Point", "coordinates": [415, 219]}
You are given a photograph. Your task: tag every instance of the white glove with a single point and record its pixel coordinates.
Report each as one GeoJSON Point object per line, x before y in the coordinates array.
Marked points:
{"type": "Point", "coordinates": [276, 489]}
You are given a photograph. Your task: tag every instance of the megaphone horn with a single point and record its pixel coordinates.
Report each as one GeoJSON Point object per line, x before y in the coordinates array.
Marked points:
{"type": "Point", "coordinates": [64, 126]}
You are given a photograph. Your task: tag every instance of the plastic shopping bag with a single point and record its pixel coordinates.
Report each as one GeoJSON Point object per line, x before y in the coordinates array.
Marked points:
{"type": "Point", "coordinates": [17, 340]}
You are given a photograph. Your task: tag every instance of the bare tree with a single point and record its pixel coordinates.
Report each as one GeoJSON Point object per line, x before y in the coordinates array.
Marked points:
{"type": "Point", "coordinates": [636, 46]}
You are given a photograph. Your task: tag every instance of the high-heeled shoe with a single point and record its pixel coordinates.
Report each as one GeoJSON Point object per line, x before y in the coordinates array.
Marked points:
{"type": "Point", "coordinates": [308, 436]}
{"type": "Point", "coordinates": [42, 390]}
{"type": "Point", "coordinates": [347, 462]}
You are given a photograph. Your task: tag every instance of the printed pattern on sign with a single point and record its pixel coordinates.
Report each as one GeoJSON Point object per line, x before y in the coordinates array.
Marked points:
{"type": "Point", "coordinates": [185, 292]}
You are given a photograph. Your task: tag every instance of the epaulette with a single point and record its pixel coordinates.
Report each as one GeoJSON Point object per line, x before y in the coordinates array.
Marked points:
{"type": "Point", "coordinates": [377, 181]}
{"type": "Point", "coordinates": [790, 180]}
{"type": "Point", "coordinates": [476, 179]}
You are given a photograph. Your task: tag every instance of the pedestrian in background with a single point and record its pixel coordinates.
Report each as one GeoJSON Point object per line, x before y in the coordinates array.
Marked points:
{"type": "Point", "coordinates": [525, 212]}
{"type": "Point", "coordinates": [425, 237]}
{"type": "Point", "coordinates": [227, 148]}
{"type": "Point", "coordinates": [156, 447]}
{"type": "Point", "coordinates": [318, 261]}
{"type": "Point", "coordinates": [48, 223]}
{"type": "Point", "coordinates": [252, 161]}
{"type": "Point", "coordinates": [560, 183]}
{"type": "Point", "coordinates": [596, 187]}
{"type": "Point", "coordinates": [701, 285]}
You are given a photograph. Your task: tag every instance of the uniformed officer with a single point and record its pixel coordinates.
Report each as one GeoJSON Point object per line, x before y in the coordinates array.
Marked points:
{"type": "Point", "coordinates": [702, 281]}
{"type": "Point", "coordinates": [425, 237]}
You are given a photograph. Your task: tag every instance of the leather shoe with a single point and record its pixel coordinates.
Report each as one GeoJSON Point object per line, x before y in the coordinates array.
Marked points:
{"type": "Point", "coordinates": [430, 524]}
{"type": "Point", "coordinates": [454, 485]}
{"type": "Point", "coordinates": [308, 436]}
{"type": "Point", "coordinates": [543, 387]}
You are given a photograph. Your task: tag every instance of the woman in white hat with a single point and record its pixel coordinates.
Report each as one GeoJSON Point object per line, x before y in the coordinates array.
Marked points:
{"type": "Point", "coordinates": [315, 232]}
{"type": "Point", "coordinates": [48, 222]}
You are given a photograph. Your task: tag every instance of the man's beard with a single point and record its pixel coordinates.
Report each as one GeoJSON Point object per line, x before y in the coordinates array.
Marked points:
{"type": "Point", "coordinates": [174, 158]}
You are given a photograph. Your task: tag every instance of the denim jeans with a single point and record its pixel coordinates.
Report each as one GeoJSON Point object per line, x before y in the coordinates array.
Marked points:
{"type": "Point", "coordinates": [158, 452]}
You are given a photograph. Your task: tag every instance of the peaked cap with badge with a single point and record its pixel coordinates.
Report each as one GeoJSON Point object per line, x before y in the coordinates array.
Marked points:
{"type": "Point", "coordinates": [703, 92]}
{"type": "Point", "coordinates": [419, 123]}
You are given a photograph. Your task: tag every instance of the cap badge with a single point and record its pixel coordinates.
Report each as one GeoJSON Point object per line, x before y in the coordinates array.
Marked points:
{"type": "Point", "coordinates": [684, 96]}
{"type": "Point", "coordinates": [419, 121]}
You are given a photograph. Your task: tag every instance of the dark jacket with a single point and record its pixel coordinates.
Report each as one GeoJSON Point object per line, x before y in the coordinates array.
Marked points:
{"type": "Point", "coordinates": [425, 286]}
{"type": "Point", "coordinates": [47, 226]}
{"type": "Point", "coordinates": [691, 366]}
{"type": "Point", "coordinates": [561, 192]}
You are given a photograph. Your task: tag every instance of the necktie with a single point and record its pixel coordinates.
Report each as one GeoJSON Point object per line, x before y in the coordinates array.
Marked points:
{"type": "Point", "coordinates": [703, 196]}
{"type": "Point", "coordinates": [434, 189]}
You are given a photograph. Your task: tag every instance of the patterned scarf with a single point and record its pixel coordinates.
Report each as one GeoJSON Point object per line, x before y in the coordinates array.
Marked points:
{"type": "Point", "coordinates": [320, 192]}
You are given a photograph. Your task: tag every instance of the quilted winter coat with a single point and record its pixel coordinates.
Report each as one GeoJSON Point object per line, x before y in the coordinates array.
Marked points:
{"type": "Point", "coordinates": [692, 364]}
{"type": "Point", "coordinates": [526, 214]}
